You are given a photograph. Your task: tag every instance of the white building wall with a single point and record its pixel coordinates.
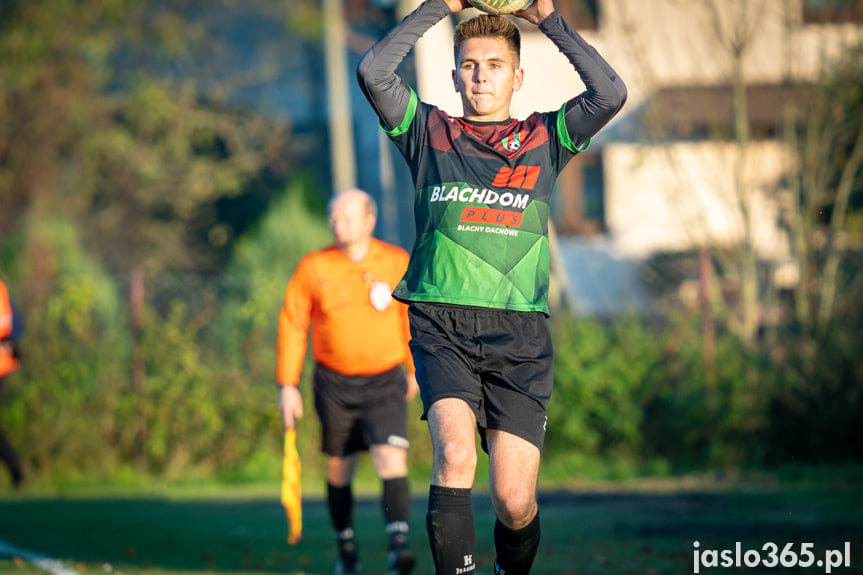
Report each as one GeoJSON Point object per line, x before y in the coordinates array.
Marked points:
{"type": "Point", "coordinates": [684, 195]}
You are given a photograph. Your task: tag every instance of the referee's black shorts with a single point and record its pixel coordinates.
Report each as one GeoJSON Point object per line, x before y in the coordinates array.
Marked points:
{"type": "Point", "coordinates": [498, 361]}
{"type": "Point", "coordinates": [356, 411]}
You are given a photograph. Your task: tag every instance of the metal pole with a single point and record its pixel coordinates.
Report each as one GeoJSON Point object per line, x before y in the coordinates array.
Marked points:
{"type": "Point", "coordinates": [342, 161]}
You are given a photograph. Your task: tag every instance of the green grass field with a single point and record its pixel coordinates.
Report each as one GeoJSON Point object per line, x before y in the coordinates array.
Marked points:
{"type": "Point", "coordinates": [608, 529]}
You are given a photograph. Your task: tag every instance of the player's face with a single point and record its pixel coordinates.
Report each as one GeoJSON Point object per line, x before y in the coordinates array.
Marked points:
{"type": "Point", "coordinates": [486, 77]}
{"type": "Point", "coordinates": [350, 221]}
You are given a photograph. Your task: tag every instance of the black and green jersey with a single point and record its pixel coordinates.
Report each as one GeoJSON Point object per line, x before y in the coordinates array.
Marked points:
{"type": "Point", "coordinates": [483, 190]}
{"type": "Point", "coordinates": [482, 207]}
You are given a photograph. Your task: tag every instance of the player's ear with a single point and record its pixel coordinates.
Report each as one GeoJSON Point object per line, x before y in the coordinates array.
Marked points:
{"type": "Point", "coordinates": [518, 79]}
{"type": "Point", "coordinates": [455, 80]}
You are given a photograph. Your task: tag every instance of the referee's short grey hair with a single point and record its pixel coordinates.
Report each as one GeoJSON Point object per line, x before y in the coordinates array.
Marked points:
{"type": "Point", "coordinates": [371, 205]}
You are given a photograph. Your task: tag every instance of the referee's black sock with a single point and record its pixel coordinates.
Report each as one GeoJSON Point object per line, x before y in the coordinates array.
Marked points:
{"type": "Point", "coordinates": [396, 499]}
{"type": "Point", "coordinates": [451, 530]}
{"type": "Point", "coordinates": [340, 501]}
{"type": "Point", "coordinates": [516, 549]}
{"type": "Point", "coordinates": [396, 504]}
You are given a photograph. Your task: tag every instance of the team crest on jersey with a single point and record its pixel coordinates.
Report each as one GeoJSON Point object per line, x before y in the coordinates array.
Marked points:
{"type": "Point", "coordinates": [512, 142]}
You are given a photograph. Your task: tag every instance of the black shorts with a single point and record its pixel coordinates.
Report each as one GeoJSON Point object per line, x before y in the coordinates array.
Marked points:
{"type": "Point", "coordinates": [498, 361]}
{"type": "Point", "coordinates": [360, 410]}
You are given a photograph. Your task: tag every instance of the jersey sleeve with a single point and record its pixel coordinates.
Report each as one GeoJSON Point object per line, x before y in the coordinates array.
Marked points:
{"type": "Point", "coordinates": [583, 116]}
{"type": "Point", "coordinates": [390, 96]}
{"type": "Point", "coordinates": [294, 320]}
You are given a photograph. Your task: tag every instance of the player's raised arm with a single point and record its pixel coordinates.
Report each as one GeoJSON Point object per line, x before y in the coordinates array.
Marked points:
{"type": "Point", "coordinates": [389, 95]}
{"type": "Point", "coordinates": [606, 93]}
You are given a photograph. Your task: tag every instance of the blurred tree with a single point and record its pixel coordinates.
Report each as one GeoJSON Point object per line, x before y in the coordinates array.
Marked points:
{"type": "Point", "coordinates": [124, 117]}
{"type": "Point", "coordinates": [796, 310]}
{"type": "Point", "coordinates": [735, 26]}
{"type": "Point", "coordinates": [110, 114]}
{"type": "Point", "coordinates": [824, 202]}
{"type": "Point", "coordinates": [815, 120]}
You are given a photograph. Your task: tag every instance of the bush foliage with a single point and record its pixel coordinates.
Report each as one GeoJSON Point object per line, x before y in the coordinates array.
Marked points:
{"type": "Point", "coordinates": [631, 396]}
{"type": "Point", "coordinates": [126, 187]}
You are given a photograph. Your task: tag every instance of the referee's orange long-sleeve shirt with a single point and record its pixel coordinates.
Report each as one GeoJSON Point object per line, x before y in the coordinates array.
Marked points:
{"type": "Point", "coordinates": [349, 335]}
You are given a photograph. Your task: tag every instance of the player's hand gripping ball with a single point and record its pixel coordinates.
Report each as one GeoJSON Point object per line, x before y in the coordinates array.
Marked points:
{"type": "Point", "coordinates": [500, 6]}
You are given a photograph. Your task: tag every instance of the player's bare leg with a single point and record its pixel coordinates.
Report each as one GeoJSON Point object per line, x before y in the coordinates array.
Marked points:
{"type": "Point", "coordinates": [453, 431]}
{"type": "Point", "coordinates": [513, 472]}
{"type": "Point", "coordinates": [450, 520]}
{"type": "Point", "coordinates": [389, 461]}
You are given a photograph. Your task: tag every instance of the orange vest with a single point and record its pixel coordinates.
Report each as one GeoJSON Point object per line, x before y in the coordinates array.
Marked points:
{"type": "Point", "coordinates": [350, 335]}
{"type": "Point", "coordinates": [8, 364]}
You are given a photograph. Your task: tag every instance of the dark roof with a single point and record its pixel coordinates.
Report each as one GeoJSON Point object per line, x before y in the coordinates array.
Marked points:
{"type": "Point", "coordinates": [699, 112]}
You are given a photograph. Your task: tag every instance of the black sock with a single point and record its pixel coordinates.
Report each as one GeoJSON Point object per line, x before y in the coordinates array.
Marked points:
{"type": "Point", "coordinates": [341, 503]}
{"type": "Point", "coordinates": [349, 552]}
{"type": "Point", "coordinates": [452, 534]}
{"type": "Point", "coordinates": [516, 549]}
{"type": "Point", "coordinates": [396, 504]}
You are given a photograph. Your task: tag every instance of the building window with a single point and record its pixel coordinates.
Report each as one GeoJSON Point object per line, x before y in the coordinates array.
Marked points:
{"type": "Point", "coordinates": [580, 196]}
{"type": "Point", "coordinates": [832, 11]}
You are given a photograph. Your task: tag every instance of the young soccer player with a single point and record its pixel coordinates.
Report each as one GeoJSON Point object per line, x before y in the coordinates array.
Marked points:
{"type": "Point", "coordinates": [477, 281]}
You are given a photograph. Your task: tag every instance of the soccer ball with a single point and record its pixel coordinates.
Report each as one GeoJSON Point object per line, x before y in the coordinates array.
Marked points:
{"type": "Point", "coordinates": [500, 6]}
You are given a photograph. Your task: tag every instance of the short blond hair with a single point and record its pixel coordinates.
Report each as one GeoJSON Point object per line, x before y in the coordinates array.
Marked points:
{"type": "Point", "coordinates": [488, 26]}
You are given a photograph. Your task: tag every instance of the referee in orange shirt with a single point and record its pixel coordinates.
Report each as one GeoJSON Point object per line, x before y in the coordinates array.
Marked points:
{"type": "Point", "coordinates": [364, 373]}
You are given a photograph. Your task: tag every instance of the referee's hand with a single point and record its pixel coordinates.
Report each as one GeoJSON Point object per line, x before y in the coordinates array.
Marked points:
{"type": "Point", "coordinates": [291, 404]}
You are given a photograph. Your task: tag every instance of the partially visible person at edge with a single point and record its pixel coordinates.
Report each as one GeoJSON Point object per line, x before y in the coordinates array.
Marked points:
{"type": "Point", "coordinates": [10, 332]}
{"type": "Point", "coordinates": [477, 282]}
{"type": "Point", "coordinates": [364, 373]}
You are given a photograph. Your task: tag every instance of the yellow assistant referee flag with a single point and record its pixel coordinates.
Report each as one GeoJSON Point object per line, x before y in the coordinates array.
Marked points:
{"type": "Point", "coordinates": [291, 492]}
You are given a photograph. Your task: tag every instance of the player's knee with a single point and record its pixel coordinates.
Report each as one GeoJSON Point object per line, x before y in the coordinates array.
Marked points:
{"type": "Point", "coordinates": [389, 460]}
{"type": "Point", "coordinates": [453, 457]}
{"type": "Point", "coordinates": [515, 509]}
{"type": "Point", "coordinates": [340, 470]}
